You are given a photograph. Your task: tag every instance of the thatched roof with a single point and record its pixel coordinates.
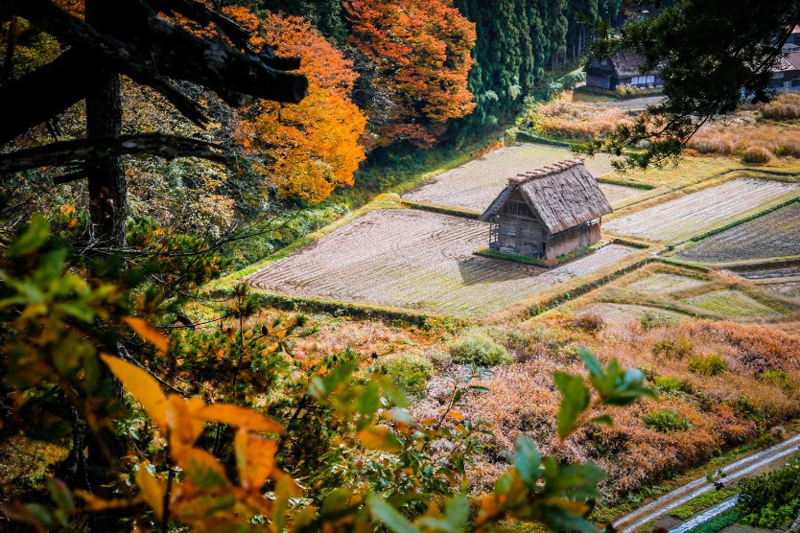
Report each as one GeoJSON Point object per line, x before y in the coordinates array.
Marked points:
{"type": "Point", "coordinates": [563, 195]}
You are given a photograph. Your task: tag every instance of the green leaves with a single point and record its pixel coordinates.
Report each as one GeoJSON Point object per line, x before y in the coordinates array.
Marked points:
{"type": "Point", "coordinates": [32, 238]}
{"type": "Point", "coordinates": [527, 460]}
{"type": "Point", "coordinates": [388, 516]}
{"type": "Point", "coordinates": [575, 401]}
{"type": "Point", "coordinates": [614, 385]}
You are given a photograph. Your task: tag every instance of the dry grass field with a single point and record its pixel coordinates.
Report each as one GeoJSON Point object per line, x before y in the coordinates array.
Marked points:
{"type": "Point", "coordinates": [418, 260]}
{"type": "Point", "coordinates": [700, 211]}
{"type": "Point", "coordinates": [776, 234]}
{"type": "Point", "coordinates": [474, 185]}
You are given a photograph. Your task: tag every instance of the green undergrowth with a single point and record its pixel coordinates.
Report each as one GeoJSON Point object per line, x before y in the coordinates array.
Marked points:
{"type": "Point", "coordinates": [703, 502]}
{"type": "Point", "coordinates": [494, 254]}
{"type": "Point", "coordinates": [721, 521]}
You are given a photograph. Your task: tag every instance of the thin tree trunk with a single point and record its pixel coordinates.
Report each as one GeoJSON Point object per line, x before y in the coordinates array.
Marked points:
{"type": "Point", "coordinates": [108, 202]}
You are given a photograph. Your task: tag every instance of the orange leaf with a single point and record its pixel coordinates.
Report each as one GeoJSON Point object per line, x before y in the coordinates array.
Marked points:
{"type": "Point", "coordinates": [255, 458]}
{"type": "Point", "coordinates": [93, 503]}
{"type": "Point", "coordinates": [456, 415]}
{"type": "Point", "coordinates": [233, 415]}
{"type": "Point", "coordinates": [148, 332]}
{"type": "Point", "coordinates": [375, 438]}
{"type": "Point", "coordinates": [143, 387]}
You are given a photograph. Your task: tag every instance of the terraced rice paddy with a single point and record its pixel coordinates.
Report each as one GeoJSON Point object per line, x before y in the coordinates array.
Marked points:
{"type": "Point", "coordinates": [701, 211]}
{"type": "Point", "coordinates": [731, 303]}
{"type": "Point", "coordinates": [474, 185]}
{"type": "Point", "coordinates": [776, 234]}
{"type": "Point", "coordinates": [418, 260]}
{"type": "Point", "coordinates": [658, 284]}
{"type": "Point", "coordinates": [621, 314]}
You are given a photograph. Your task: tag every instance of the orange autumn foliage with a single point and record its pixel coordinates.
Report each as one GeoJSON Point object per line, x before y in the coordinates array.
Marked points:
{"type": "Point", "coordinates": [313, 146]}
{"type": "Point", "coordinates": [422, 53]}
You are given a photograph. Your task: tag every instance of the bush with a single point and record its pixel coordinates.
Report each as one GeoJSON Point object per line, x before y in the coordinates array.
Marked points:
{"type": "Point", "coordinates": [757, 155]}
{"type": "Point", "coordinates": [410, 372]}
{"type": "Point", "coordinates": [440, 360]}
{"type": "Point", "coordinates": [677, 349]}
{"type": "Point", "coordinates": [771, 500]}
{"type": "Point", "coordinates": [668, 383]}
{"type": "Point", "coordinates": [478, 349]}
{"type": "Point", "coordinates": [666, 421]}
{"type": "Point", "coordinates": [707, 365]}
{"type": "Point", "coordinates": [652, 320]}
{"type": "Point", "coordinates": [784, 107]}
{"type": "Point", "coordinates": [787, 149]}
{"type": "Point", "coordinates": [591, 323]}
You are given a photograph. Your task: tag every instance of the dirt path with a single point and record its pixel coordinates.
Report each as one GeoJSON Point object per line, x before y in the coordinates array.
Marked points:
{"type": "Point", "coordinates": [741, 468]}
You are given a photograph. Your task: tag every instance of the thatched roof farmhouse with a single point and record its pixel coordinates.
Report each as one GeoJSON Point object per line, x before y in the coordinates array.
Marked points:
{"type": "Point", "coordinates": [548, 212]}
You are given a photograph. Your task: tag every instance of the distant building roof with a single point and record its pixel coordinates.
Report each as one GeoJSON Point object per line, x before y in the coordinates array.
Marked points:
{"type": "Point", "coordinates": [788, 62]}
{"type": "Point", "coordinates": [563, 195]}
{"type": "Point", "coordinates": [624, 64]}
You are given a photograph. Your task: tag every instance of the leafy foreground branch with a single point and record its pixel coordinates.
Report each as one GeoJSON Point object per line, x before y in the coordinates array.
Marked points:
{"type": "Point", "coordinates": [337, 450]}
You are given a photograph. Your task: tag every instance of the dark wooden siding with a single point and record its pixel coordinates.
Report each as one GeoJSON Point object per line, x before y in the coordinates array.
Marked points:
{"type": "Point", "coordinates": [572, 239]}
{"type": "Point", "coordinates": [517, 230]}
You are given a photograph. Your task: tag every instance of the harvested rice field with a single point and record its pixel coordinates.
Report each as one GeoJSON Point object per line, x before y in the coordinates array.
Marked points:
{"type": "Point", "coordinates": [474, 185]}
{"type": "Point", "coordinates": [787, 289]}
{"type": "Point", "coordinates": [701, 211]}
{"type": "Point", "coordinates": [617, 193]}
{"type": "Point", "coordinates": [731, 303]}
{"type": "Point", "coordinates": [418, 260]}
{"type": "Point", "coordinates": [659, 283]}
{"type": "Point", "coordinates": [621, 314]}
{"type": "Point", "coordinates": [776, 234]}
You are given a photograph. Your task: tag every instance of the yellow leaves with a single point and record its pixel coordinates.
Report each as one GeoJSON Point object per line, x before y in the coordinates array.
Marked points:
{"type": "Point", "coordinates": [93, 503]}
{"type": "Point", "coordinates": [185, 428]}
{"type": "Point", "coordinates": [255, 458]}
{"type": "Point", "coordinates": [379, 438]}
{"type": "Point", "coordinates": [233, 415]}
{"type": "Point", "coordinates": [148, 333]}
{"type": "Point", "coordinates": [152, 489]}
{"type": "Point", "coordinates": [143, 387]}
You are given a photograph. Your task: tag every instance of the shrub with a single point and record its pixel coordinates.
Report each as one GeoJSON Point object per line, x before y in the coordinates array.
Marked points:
{"type": "Point", "coordinates": [652, 320]}
{"type": "Point", "coordinates": [784, 107]}
{"type": "Point", "coordinates": [771, 500]}
{"type": "Point", "coordinates": [707, 365]}
{"type": "Point", "coordinates": [668, 383]}
{"type": "Point", "coordinates": [787, 149]}
{"type": "Point", "coordinates": [666, 421]}
{"type": "Point", "coordinates": [478, 349]}
{"type": "Point", "coordinates": [757, 155]}
{"type": "Point", "coordinates": [677, 349]}
{"type": "Point", "coordinates": [591, 323]}
{"type": "Point", "coordinates": [410, 372]}
{"type": "Point", "coordinates": [778, 378]}
{"type": "Point", "coordinates": [440, 359]}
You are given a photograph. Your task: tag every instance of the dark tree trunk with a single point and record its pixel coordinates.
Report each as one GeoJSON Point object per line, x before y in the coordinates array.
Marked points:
{"type": "Point", "coordinates": [108, 195]}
